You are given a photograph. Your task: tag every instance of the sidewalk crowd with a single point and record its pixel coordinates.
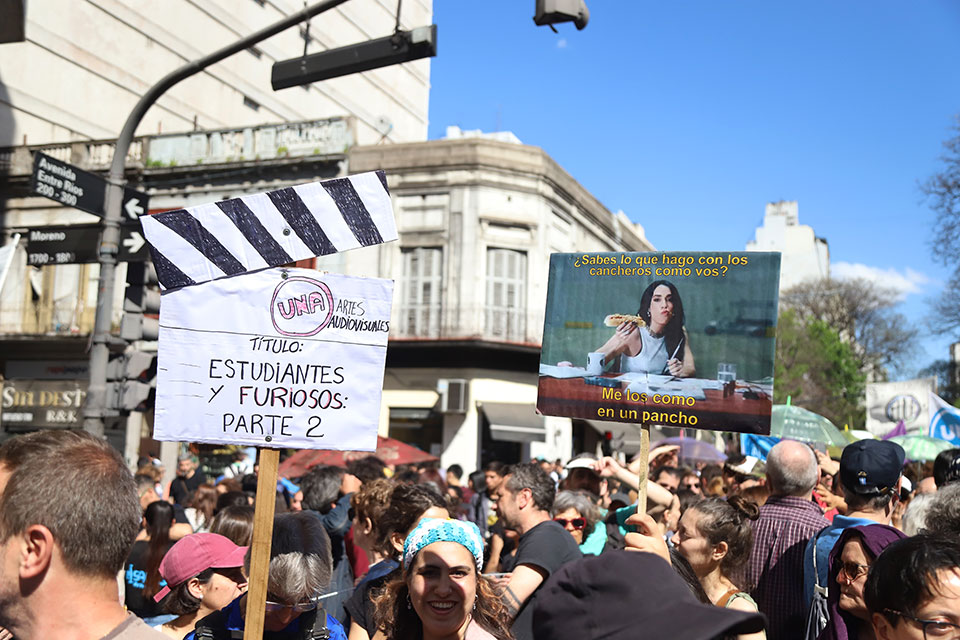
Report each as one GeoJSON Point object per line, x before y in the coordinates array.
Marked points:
{"type": "Point", "coordinates": [799, 546]}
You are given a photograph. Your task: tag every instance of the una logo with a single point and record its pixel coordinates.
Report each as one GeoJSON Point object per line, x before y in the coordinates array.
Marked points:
{"type": "Point", "coordinates": [301, 306]}
{"type": "Point", "coordinates": [903, 407]}
{"type": "Point", "coordinates": [946, 425]}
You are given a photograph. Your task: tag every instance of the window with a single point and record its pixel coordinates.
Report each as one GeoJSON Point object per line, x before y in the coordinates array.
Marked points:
{"type": "Point", "coordinates": [506, 294]}
{"type": "Point", "coordinates": [422, 279]}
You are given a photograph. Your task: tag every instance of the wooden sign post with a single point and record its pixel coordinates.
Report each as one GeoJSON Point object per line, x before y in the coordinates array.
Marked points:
{"type": "Point", "coordinates": [645, 469]}
{"type": "Point", "coordinates": [260, 548]}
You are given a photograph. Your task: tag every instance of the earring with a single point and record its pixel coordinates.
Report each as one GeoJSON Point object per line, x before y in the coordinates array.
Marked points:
{"type": "Point", "coordinates": [409, 604]}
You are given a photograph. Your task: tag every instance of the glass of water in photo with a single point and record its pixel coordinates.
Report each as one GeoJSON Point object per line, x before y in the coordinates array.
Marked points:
{"type": "Point", "coordinates": [726, 372]}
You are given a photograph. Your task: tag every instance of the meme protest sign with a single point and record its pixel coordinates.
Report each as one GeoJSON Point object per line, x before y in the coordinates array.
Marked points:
{"type": "Point", "coordinates": [672, 339]}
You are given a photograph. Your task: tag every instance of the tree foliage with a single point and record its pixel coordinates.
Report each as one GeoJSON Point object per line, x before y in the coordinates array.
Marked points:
{"type": "Point", "coordinates": [818, 370]}
{"type": "Point", "coordinates": [863, 315]}
{"type": "Point", "coordinates": [943, 193]}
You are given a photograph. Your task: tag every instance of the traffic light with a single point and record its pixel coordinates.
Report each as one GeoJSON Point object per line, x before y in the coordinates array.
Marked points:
{"type": "Point", "coordinates": [131, 380]}
{"type": "Point", "coordinates": [141, 303]}
{"type": "Point", "coordinates": [551, 12]}
{"type": "Point", "coordinates": [606, 445]}
{"type": "Point", "coordinates": [403, 46]}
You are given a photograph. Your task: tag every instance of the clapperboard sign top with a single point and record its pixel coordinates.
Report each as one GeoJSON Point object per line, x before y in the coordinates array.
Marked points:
{"type": "Point", "coordinates": [245, 234]}
{"type": "Point", "coordinates": [252, 352]}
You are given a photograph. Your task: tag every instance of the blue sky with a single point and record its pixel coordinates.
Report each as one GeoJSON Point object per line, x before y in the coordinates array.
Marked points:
{"type": "Point", "coordinates": [691, 115]}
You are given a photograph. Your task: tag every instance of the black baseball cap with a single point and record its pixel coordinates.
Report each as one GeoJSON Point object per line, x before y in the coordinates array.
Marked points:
{"type": "Point", "coordinates": [629, 595]}
{"type": "Point", "coordinates": [871, 467]}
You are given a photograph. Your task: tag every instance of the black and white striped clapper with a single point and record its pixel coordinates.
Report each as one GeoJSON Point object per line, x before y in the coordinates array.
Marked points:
{"type": "Point", "coordinates": [269, 229]}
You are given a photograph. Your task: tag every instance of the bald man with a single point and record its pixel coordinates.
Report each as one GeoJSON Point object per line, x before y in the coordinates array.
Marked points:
{"type": "Point", "coordinates": [787, 521]}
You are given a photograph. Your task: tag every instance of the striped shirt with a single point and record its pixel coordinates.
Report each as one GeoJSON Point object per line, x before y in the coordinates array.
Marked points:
{"type": "Point", "coordinates": [775, 570]}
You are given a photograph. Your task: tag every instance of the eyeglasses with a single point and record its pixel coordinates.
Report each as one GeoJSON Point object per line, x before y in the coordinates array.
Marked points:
{"type": "Point", "coordinates": [932, 629]}
{"type": "Point", "coordinates": [576, 523]}
{"type": "Point", "coordinates": [851, 570]}
{"type": "Point", "coordinates": [300, 607]}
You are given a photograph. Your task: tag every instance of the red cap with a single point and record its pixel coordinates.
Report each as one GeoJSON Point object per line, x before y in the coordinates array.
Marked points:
{"type": "Point", "coordinates": [197, 553]}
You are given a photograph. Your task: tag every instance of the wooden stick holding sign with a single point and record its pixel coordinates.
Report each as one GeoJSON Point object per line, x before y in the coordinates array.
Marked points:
{"type": "Point", "coordinates": [260, 548]}
{"type": "Point", "coordinates": [644, 469]}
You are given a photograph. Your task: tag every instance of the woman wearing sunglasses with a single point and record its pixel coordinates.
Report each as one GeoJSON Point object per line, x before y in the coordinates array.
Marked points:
{"type": "Point", "coordinates": [582, 518]}
{"type": "Point", "coordinates": [850, 561]}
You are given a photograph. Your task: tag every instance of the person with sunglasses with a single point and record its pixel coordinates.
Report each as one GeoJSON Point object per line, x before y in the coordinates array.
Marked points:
{"type": "Point", "coordinates": [301, 567]}
{"type": "Point", "coordinates": [203, 574]}
{"type": "Point", "coordinates": [913, 590]}
{"type": "Point", "coordinates": [576, 512]}
{"type": "Point", "coordinates": [856, 550]}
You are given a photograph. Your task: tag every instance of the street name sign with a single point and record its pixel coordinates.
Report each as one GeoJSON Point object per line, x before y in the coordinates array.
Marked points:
{"type": "Point", "coordinates": [78, 244]}
{"type": "Point", "coordinates": [74, 187]}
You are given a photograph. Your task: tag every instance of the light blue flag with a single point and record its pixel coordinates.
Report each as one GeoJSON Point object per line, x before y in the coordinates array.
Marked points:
{"type": "Point", "coordinates": [944, 420]}
{"type": "Point", "coordinates": [757, 446]}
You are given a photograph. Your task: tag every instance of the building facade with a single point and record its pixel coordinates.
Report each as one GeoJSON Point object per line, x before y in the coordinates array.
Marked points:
{"type": "Point", "coordinates": [804, 256]}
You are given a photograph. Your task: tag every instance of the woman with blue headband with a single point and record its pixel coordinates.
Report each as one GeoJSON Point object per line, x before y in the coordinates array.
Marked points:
{"type": "Point", "coordinates": [441, 594]}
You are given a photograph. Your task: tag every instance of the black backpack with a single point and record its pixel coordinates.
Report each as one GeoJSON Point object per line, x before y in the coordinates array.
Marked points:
{"type": "Point", "coordinates": [313, 626]}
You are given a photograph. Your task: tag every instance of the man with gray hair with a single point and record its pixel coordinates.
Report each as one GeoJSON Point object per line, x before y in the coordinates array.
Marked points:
{"type": "Point", "coordinates": [300, 570]}
{"type": "Point", "coordinates": [787, 521]}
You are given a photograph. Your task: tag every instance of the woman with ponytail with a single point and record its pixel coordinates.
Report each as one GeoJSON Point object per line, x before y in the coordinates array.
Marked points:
{"type": "Point", "coordinates": [141, 573]}
{"type": "Point", "coordinates": [716, 537]}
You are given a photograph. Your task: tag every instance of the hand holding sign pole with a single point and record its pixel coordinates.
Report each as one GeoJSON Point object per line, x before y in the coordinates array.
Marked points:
{"type": "Point", "coordinates": [253, 352]}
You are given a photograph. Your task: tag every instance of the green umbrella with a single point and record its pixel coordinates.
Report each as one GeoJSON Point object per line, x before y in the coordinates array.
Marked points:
{"type": "Point", "coordinates": [796, 423]}
{"type": "Point", "coordinates": [921, 447]}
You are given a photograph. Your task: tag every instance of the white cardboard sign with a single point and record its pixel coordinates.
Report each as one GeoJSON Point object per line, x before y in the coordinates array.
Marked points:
{"type": "Point", "coordinates": [282, 358]}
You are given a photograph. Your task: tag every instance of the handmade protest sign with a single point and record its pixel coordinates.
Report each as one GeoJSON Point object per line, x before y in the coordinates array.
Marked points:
{"type": "Point", "coordinates": [284, 358]}
{"type": "Point", "coordinates": [674, 339]}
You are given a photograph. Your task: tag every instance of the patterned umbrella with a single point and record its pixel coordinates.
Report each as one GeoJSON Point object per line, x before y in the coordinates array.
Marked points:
{"type": "Point", "coordinates": [796, 423]}
{"type": "Point", "coordinates": [921, 447]}
{"type": "Point", "coordinates": [693, 449]}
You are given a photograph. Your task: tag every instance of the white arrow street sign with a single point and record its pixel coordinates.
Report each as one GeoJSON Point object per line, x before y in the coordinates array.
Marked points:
{"type": "Point", "coordinates": [134, 243]}
{"type": "Point", "coordinates": [133, 208]}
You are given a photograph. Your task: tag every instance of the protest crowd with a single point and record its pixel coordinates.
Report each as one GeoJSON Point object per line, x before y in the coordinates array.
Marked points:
{"type": "Point", "coordinates": [799, 546]}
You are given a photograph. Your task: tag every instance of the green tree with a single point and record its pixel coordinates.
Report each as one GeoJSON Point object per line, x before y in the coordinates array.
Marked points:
{"type": "Point", "coordinates": [818, 370]}
{"type": "Point", "coordinates": [943, 193]}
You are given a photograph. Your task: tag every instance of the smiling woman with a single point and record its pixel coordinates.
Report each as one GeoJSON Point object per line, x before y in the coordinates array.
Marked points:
{"type": "Point", "coordinates": [441, 594]}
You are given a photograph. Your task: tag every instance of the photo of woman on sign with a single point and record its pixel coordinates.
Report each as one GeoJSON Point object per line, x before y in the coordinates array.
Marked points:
{"type": "Point", "coordinates": [653, 341]}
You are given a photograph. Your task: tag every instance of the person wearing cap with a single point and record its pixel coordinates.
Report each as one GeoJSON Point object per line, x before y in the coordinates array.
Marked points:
{"type": "Point", "coordinates": [300, 570]}
{"type": "Point", "coordinates": [870, 478]}
{"type": "Point", "coordinates": [624, 595]}
{"type": "Point", "coordinates": [203, 575]}
{"type": "Point", "coordinates": [441, 593]}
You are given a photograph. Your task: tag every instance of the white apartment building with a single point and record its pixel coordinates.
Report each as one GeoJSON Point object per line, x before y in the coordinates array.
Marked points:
{"type": "Point", "coordinates": [804, 255]}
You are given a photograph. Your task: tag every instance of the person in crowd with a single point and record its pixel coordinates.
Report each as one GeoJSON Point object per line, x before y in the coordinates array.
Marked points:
{"type": "Point", "coordinates": [368, 505]}
{"type": "Point", "coordinates": [691, 482]}
{"type": "Point", "coordinates": [200, 511]}
{"type": "Point", "coordinates": [758, 494]}
{"type": "Point", "coordinates": [787, 520]}
{"type": "Point", "coordinates": [662, 345]}
{"type": "Point", "coordinates": [300, 570]}
{"type": "Point", "coordinates": [203, 574]}
{"type": "Point", "coordinates": [189, 477]}
{"type": "Point", "coordinates": [407, 505]}
{"type": "Point", "coordinates": [141, 575]}
{"type": "Point", "coordinates": [915, 517]}
{"type": "Point", "coordinates": [625, 596]}
{"type": "Point", "coordinates": [685, 500]}
{"type": "Point", "coordinates": [327, 491]}
{"type": "Point", "coordinates": [227, 485]}
{"type": "Point", "coordinates": [870, 478]}
{"type": "Point", "coordinates": [944, 512]}
{"type": "Point", "coordinates": [69, 513]}
{"type": "Point", "coordinates": [230, 499]}
{"type": "Point", "coordinates": [913, 590]}
{"type": "Point", "coordinates": [235, 523]}
{"type": "Point", "coordinates": [441, 593]}
{"type": "Point", "coordinates": [148, 495]}
{"type": "Point", "coordinates": [716, 538]}
{"type": "Point", "coordinates": [708, 474]}
{"type": "Point", "coordinates": [667, 477]}
{"type": "Point", "coordinates": [856, 549]}
{"type": "Point", "coordinates": [742, 472]}
{"type": "Point", "coordinates": [240, 465]}
{"type": "Point", "coordinates": [524, 503]}
{"type": "Point", "coordinates": [577, 512]}
{"type": "Point", "coordinates": [482, 508]}
{"type": "Point", "coordinates": [946, 467]}
{"type": "Point", "coordinates": [367, 469]}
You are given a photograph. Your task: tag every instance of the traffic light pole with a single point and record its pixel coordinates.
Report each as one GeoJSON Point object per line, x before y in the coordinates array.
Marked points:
{"type": "Point", "coordinates": [96, 404]}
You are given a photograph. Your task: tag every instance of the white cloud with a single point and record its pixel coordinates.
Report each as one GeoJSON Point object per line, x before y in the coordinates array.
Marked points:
{"type": "Point", "coordinates": [905, 283]}
{"type": "Point", "coordinates": [562, 43]}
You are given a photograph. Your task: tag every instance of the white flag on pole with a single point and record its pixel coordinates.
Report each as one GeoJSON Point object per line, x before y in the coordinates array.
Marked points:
{"type": "Point", "coordinates": [944, 420]}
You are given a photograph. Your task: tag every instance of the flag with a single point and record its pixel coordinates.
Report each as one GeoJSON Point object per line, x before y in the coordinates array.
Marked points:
{"type": "Point", "coordinates": [6, 257]}
{"type": "Point", "coordinates": [757, 446]}
{"type": "Point", "coordinates": [899, 430]}
{"type": "Point", "coordinates": [944, 420]}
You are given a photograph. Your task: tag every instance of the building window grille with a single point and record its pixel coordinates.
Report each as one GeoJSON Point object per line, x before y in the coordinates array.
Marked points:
{"type": "Point", "coordinates": [506, 294]}
{"type": "Point", "coordinates": [421, 303]}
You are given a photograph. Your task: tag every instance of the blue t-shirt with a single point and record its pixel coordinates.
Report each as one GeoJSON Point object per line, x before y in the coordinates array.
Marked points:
{"type": "Point", "coordinates": [825, 541]}
{"type": "Point", "coordinates": [235, 623]}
